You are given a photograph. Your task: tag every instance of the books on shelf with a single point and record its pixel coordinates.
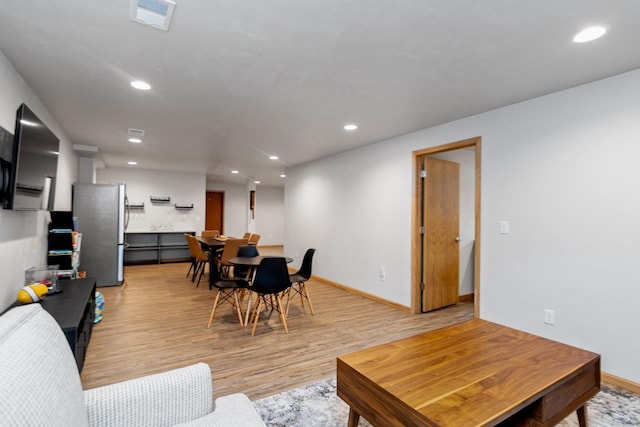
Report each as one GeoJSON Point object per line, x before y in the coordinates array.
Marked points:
{"type": "Point", "coordinates": [75, 260]}
{"type": "Point", "coordinates": [76, 240]}
{"type": "Point", "coordinates": [60, 252]}
{"type": "Point", "coordinates": [60, 230]}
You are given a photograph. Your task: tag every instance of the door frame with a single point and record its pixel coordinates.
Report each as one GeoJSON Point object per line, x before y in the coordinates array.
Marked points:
{"type": "Point", "coordinates": [416, 258]}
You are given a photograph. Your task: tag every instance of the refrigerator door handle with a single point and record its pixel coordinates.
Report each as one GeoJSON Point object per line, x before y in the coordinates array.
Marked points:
{"type": "Point", "coordinates": [121, 213]}
{"type": "Point", "coordinates": [127, 212]}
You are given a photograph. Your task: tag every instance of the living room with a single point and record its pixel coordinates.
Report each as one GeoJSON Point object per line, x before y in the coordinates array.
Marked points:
{"type": "Point", "coordinates": [561, 168]}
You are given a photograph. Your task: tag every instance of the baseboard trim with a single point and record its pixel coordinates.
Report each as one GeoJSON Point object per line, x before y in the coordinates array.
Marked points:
{"type": "Point", "coordinates": [606, 378]}
{"type": "Point", "coordinates": [461, 298]}
{"type": "Point", "coordinates": [620, 382]}
{"type": "Point", "coordinates": [359, 292]}
{"type": "Point", "coordinates": [466, 298]}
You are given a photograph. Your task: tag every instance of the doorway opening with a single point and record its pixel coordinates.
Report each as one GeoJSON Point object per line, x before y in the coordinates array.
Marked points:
{"type": "Point", "coordinates": [214, 211]}
{"type": "Point", "coordinates": [423, 251]}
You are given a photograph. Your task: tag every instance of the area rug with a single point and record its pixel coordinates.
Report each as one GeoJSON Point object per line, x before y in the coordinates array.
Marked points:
{"type": "Point", "coordinates": [317, 405]}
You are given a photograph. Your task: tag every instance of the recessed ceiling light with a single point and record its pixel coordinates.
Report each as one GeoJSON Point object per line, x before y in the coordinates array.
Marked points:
{"type": "Point", "coordinates": [139, 84]}
{"type": "Point", "coordinates": [283, 176]}
{"type": "Point", "coordinates": [350, 126]}
{"type": "Point", "coordinates": [235, 171]}
{"type": "Point", "coordinates": [135, 140]}
{"type": "Point", "coordinates": [273, 157]}
{"type": "Point", "coordinates": [590, 34]}
{"type": "Point", "coordinates": [132, 163]}
{"type": "Point", "coordinates": [256, 182]}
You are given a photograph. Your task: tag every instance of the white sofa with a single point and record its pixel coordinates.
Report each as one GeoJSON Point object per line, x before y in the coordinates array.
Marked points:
{"type": "Point", "coordinates": [40, 385]}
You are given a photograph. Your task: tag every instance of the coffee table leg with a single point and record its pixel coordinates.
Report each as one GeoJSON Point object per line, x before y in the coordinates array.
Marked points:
{"type": "Point", "coordinates": [354, 417]}
{"type": "Point", "coordinates": [582, 416]}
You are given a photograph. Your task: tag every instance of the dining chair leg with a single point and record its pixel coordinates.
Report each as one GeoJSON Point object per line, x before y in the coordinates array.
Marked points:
{"type": "Point", "coordinates": [256, 314]}
{"type": "Point", "coordinates": [193, 264]}
{"type": "Point", "coordinates": [213, 310]}
{"type": "Point", "coordinates": [283, 318]}
{"type": "Point", "coordinates": [238, 309]}
{"type": "Point", "coordinates": [204, 265]}
{"type": "Point", "coordinates": [293, 289]}
{"type": "Point", "coordinates": [304, 294]}
{"type": "Point", "coordinates": [253, 309]}
{"type": "Point", "coordinates": [288, 300]}
{"type": "Point", "coordinates": [196, 270]}
{"type": "Point", "coordinates": [299, 290]}
{"type": "Point", "coordinates": [308, 297]}
{"type": "Point", "coordinates": [246, 318]}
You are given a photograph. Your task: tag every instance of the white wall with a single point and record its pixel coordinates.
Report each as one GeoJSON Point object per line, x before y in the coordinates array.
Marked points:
{"type": "Point", "coordinates": [236, 207]}
{"type": "Point", "coordinates": [355, 210]}
{"type": "Point", "coordinates": [561, 168]}
{"type": "Point", "coordinates": [181, 187]}
{"type": "Point", "coordinates": [23, 241]}
{"type": "Point", "coordinates": [269, 213]}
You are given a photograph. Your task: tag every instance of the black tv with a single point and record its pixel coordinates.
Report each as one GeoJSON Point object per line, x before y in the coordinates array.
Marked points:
{"type": "Point", "coordinates": [6, 154]}
{"type": "Point", "coordinates": [34, 164]}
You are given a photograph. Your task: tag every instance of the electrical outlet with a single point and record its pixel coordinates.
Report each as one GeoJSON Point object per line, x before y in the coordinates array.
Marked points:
{"type": "Point", "coordinates": [382, 274]}
{"type": "Point", "coordinates": [549, 317]}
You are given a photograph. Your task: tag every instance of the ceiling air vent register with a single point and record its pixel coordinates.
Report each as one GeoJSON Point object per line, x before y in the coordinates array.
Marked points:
{"type": "Point", "coordinates": [136, 133]}
{"type": "Point", "coordinates": [154, 13]}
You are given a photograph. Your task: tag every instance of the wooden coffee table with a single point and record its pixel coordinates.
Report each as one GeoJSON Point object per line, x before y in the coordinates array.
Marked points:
{"type": "Point", "coordinates": [474, 373]}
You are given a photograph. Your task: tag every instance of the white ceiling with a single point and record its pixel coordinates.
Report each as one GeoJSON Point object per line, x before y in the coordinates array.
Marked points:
{"type": "Point", "coordinates": [236, 81]}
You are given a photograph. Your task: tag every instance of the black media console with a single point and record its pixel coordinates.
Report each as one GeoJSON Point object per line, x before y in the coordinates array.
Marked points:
{"type": "Point", "coordinates": [74, 309]}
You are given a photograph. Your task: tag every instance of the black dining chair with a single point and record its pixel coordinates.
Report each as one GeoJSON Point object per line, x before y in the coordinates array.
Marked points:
{"type": "Point", "coordinates": [270, 281]}
{"type": "Point", "coordinates": [298, 280]}
{"type": "Point", "coordinates": [228, 290]}
{"type": "Point", "coordinates": [243, 271]}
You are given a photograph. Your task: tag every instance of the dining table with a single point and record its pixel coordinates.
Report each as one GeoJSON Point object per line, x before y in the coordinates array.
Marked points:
{"type": "Point", "coordinates": [211, 243]}
{"type": "Point", "coordinates": [254, 261]}
{"type": "Point", "coordinates": [214, 243]}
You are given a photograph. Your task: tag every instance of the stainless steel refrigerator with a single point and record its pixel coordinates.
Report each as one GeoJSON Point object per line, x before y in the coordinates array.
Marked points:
{"type": "Point", "coordinates": [100, 211]}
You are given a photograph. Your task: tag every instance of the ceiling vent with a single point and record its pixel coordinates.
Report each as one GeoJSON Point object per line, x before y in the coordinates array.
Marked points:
{"type": "Point", "coordinates": [136, 133]}
{"type": "Point", "coordinates": [155, 13]}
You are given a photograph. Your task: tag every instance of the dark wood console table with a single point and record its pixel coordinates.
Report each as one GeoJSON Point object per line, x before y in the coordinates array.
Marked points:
{"type": "Point", "coordinates": [74, 310]}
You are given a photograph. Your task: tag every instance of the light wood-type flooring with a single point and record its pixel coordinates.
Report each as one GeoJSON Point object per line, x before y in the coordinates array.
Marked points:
{"type": "Point", "coordinates": [159, 322]}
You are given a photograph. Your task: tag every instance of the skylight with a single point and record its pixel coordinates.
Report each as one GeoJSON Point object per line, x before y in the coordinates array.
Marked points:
{"type": "Point", "coordinates": [155, 13]}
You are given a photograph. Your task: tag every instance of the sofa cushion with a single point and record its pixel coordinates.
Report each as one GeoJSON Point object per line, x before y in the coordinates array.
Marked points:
{"type": "Point", "coordinates": [39, 380]}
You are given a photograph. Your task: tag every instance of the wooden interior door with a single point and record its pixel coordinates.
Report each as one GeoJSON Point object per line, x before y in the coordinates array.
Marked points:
{"type": "Point", "coordinates": [214, 213]}
{"type": "Point", "coordinates": [441, 217]}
